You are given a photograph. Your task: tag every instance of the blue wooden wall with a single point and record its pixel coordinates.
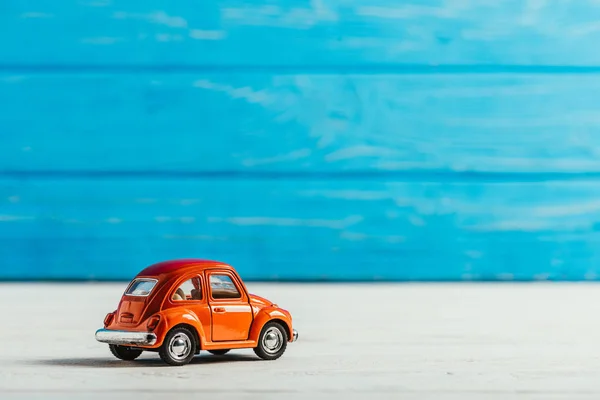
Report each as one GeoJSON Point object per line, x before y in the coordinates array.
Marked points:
{"type": "Point", "coordinates": [323, 139]}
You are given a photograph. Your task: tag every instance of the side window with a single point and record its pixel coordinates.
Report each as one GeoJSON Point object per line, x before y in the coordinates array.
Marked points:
{"type": "Point", "coordinates": [222, 287]}
{"type": "Point", "coordinates": [188, 290]}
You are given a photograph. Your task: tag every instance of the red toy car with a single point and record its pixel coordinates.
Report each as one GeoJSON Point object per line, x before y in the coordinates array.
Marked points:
{"type": "Point", "coordinates": [179, 307]}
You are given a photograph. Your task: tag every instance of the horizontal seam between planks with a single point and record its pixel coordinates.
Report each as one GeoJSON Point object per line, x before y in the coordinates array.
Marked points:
{"type": "Point", "coordinates": [414, 175]}
{"type": "Point", "coordinates": [419, 69]}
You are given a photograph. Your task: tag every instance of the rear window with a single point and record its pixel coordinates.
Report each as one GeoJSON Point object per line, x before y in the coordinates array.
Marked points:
{"type": "Point", "coordinates": [141, 287]}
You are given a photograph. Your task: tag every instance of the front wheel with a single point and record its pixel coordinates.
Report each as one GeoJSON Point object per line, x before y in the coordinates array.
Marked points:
{"type": "Point", "coordinates": [178, 348]}
{"type": "Point", "coordinates": [272, 341]}
{"type": "Point", "coordinates": [124, 352]}
{"type": "Point", "coordinates": [219, 352]}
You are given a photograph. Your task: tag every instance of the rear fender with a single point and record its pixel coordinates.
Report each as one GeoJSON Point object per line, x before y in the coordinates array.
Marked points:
{"type": "Point", "coordinates": [173, 317]}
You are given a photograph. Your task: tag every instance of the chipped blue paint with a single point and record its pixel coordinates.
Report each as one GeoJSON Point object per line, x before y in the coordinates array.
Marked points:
{"type": "Point", "coordinates": [428, 140]}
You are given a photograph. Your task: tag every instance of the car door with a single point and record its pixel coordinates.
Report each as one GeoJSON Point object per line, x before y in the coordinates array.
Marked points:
{"type": "Point", "coordinates": [230, 307]}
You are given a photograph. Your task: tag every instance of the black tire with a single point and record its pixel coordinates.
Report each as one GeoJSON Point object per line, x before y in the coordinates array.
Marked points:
{"type": "Point", "coordinates": [179, 347]}
{"type": "Point", "coordinates": [124, 352]}
{"type": "Point", "coordinates": [219, 352]}
{"type": "Point", "coordinates": [272, 341]}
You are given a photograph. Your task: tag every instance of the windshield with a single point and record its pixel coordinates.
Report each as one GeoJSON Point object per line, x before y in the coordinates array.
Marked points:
{"type": "Point", "coordinates": [141, 287]}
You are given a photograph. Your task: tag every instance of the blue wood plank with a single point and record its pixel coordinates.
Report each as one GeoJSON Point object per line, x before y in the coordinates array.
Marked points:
{"type": "Point", "coordinates": [47, 33]}
{"type": "Point", "coordinates": [302, 229]}
{"type": "Point", "coordinates": [302, 123]}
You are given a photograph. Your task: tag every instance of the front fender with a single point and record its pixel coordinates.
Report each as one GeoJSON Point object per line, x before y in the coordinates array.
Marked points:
{"type": "Point", "coordinates": [268, 314]}
{"type": "Point", "coordinates": [173, 317]}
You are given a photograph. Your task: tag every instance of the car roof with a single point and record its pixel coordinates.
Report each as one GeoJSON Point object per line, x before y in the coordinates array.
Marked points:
{"type": "Point", "coordinates": [180, 266]}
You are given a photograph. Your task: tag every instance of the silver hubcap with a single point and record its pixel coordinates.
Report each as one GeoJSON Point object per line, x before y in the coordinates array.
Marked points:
{"type": "Point", "coordinates": [272, 340]}
{"type": "Point", "coordinates": [180, 346]}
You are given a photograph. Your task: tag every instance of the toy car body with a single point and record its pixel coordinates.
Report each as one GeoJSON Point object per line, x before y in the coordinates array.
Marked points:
{"type": "Point", "coordinates": [179, 307]}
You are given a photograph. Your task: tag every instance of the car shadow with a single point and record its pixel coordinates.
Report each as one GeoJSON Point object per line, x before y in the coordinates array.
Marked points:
{"type": "Point", "coordinates": [139, 363]}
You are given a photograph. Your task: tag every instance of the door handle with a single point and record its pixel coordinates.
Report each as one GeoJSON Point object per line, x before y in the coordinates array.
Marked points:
{"type": "Point", "coordinates": [219, 309]}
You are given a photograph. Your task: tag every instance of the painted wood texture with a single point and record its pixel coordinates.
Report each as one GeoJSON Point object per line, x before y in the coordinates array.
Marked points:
{"type": "Point", "coordinates": [512, 123]}
{"type": "Point", "coordinates": [341, 140]}
{"type": "Point", "coordinates": [344, 33]}
{"type": "Point", "coordinates": [278, 229]}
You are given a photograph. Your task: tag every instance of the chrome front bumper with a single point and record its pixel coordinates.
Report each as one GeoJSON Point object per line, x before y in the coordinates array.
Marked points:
{"type": "Point", "coordinates": [125, 337]}
{"type": "Point", "coordinates": [294, 335]}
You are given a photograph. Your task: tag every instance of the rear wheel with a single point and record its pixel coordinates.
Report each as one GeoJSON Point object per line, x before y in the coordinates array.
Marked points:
{"type": "Point", "coordinates": [272, 341]}
{"type": "Point", "coordinates": [124, 352]}
{"type": "Point", "coordinates": [219, 352]}
{"type": "Point", "coordinates": [178, 348]}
